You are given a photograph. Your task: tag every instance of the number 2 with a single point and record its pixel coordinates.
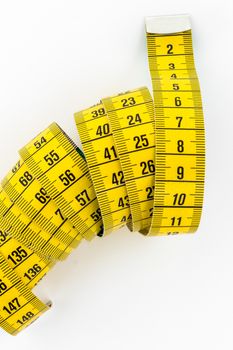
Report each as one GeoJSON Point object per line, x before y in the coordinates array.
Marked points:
{"type": "Point", "coordinates": [169, 47]}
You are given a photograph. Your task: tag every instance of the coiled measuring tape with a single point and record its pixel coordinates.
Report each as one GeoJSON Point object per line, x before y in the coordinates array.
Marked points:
{"type": "Point", "coordinates": [118, 139]}
{"type": "Point", "coordinates": [143, 167]}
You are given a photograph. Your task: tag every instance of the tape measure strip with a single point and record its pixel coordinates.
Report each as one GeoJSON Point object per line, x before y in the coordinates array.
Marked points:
{"type": "Point", "coordinates": [180, 140]}
{"type": "Point", "coordinates": [28, 265]}
{"type": "Point", "coordinates": [104, 166]}
{"type": "Point", "coordinates": [27, 193]}
{"type": "Point", "coordinates": [28, 232]}
{"type": "Point", "coordinates": [19, 306]}
{"type": "Point", "coordinates": [131, 116]}
{"type": "Point", "coordinates": [65, 178]}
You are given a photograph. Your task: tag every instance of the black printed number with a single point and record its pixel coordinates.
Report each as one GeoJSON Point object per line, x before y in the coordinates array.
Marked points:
{"type": "Point", "coordinates": [141, 141]}
{"type": "Point", "coordinates": [118, 178]}
{"type": "Point", "coordinates": [134, 119]}
{"type": "Point", "coordinates": [39, 143]}
{"type": "Point", "coordinates": [179, 199]}
{"type": "Point", "coordinates": [58, 212]}
{"type": "Point", "coordinates": [127, 102]}
{"type": "Point", "coordinates": [3, 236]}
{"type": "Point", "coordinates": [12, 306]}
{"type": "Point", "coordinates": [103, 129]}
{"type": "Point", "coordinates": [17, 255]}
{"type": "Point", "coordinates": [16, 167]}
{"type": "Point", "coordinates": [180, 146]}
{"type": "Point", "coordinates": [96, 216]}
{"type": "Point", "coordinates": [180, 172]}
{"type": "Point", "coordinates": [150, 192]}
{"type": "Point", "coordinates": [67, 177]}
{"type": "Point", "coordinates": [3, 287]}
{"type": "Point", "coordinates": [42, 196]}
{"type": "Point", "coordinates": [26, 179]}
{"type": "Point", "coordinates": [83, 198]}
{"type": "Point", "coordinates": [178, 102]}
{"type": "Point", "coordinates": [175, 86]}
{"type": "Point", "coordinates": [51, 158]}
{"type": "Point", "coordinates": [98, 112]}
{"type": "Point", "coordinates": [25, 318]}
{"type": "Point", "coordinates": [123, 202]}
{"type": "Point", "coordinates": [147, 167]}
{"type": "Point", "coordinates": [170, 48]}
{"type": "Point", "coordinates": [179, 121]}
{"type": "Point", "coordinates": [110, 153]}
{"type": "Point", "coordinates": [176, 221]}
{"type": "Point", "coordinates": [32, 272]}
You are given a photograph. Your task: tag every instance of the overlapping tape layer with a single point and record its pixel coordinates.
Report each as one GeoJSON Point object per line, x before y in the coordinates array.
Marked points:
{"type": "Point", "coordinates": [143, 167]}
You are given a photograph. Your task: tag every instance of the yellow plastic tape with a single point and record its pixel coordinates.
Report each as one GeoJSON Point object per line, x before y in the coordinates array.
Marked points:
{"type": "Point", "coordinates": [26, 192]}
{"type": "Point", "coordinates": [63, 172]}
{"type": "Point", "coordinates": [143, 167]}
{"type": "Point", "coordinates": [180, 139]}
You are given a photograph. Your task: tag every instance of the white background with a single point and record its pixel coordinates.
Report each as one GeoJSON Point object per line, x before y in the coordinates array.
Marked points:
{"type": "Point", "coordinates": [124, 291]}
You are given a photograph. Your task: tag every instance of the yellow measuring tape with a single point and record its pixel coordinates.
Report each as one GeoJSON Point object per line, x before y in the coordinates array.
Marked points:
{"type": "Point", "coordinates": [143, 167]}
{"type": "Point", "coordinates": [180, 140]}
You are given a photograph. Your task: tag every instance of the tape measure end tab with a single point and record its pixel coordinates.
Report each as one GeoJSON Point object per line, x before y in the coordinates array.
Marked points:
{"type": "Point", "coordinates": [167, 24]}
{"type": "Point", "coordinates": [49, 303]}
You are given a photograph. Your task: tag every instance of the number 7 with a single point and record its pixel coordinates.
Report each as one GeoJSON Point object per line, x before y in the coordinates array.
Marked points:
{"type": "Point", "coordinates": [179, 121]}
